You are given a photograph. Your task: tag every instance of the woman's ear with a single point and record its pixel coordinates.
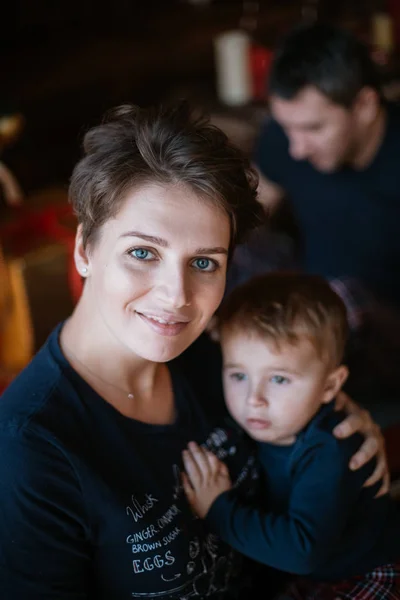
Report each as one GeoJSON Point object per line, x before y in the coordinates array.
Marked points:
{"type": "Point", "coordinates": [80, 254]}
{"type": "Point", "coordinates": [334, 383]}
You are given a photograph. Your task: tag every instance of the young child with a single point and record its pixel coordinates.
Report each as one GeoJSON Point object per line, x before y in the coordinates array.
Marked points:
{"type": "Point", "coordinates": [283, 338]}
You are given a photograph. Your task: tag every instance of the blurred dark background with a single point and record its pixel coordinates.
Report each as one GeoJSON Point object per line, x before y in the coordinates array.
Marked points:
{"type": "Point", "coordinates": [64, 63]}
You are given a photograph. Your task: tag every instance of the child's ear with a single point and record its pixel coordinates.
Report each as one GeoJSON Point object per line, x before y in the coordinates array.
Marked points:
{"type": "Point", "coordinates": [334, 382]}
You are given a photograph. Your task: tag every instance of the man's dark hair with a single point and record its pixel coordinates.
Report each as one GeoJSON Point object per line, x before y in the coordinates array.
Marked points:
{"type": "Point", "coordinates": [325, 57]}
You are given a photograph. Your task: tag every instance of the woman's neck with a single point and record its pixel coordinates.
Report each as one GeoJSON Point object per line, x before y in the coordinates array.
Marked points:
{"type": "Point", "coordinates": [132, 384]}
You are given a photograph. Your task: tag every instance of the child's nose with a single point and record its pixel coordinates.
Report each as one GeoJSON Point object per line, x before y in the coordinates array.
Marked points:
{"type": "Point", "coordinates": [257, 398]}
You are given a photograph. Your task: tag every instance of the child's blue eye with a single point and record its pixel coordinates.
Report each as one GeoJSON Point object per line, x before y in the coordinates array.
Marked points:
{"type": "Point", "coordinates": [279, 379]}
{"type": "Point", "coordinates": [238, 376]}
{"type": "Point", "coordinates": [205, 264]}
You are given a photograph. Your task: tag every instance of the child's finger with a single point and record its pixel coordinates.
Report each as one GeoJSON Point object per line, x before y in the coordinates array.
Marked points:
{"type": "Point", "coordinates": [186, 483]}
{"type": "Point", "coordinates": [188, 489]}
{"type": "Point", "coordinates": [192, 469]}
{"type": "Point", "coordinates": [223, 470]}
{"type": "Point", "coordinates": [187, 486]}
{"type": "Point", "coordinates": [199, 455]}
{"type": "Point", "coordinates": [216, 465]}
{"type": "Point", "coordinates": [213, 462]}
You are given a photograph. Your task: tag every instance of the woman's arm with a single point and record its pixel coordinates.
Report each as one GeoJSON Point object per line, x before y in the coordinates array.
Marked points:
{"type": "Point", "coordinates": [360, 420]}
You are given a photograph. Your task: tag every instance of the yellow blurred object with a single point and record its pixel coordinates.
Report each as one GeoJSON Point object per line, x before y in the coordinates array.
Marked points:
{"type": "Point", "coordinates": [383, 32]}
{"type": "Point", "coordinates": [4, 286]}
{"type": "Point", "coordinates": [11, 127]}
{"type": "Point", "coordinates": [12, 191]}
{"type": "Point", "coordinates": [16, 334]}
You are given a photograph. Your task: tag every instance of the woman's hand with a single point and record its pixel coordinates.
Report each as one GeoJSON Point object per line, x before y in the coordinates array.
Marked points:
{"type": "Point", "coordinates": [360, 420]}
{"type": "Point", "coordinates": [206, 478]}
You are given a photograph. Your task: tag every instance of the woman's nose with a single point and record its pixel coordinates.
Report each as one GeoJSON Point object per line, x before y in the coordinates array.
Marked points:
{"type": "Point", "coordinates": [174, 288]}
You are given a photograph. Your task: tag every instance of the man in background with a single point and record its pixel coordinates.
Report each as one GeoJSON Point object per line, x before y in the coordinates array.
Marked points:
{"type": "Point", "coordinates": [331, 151]}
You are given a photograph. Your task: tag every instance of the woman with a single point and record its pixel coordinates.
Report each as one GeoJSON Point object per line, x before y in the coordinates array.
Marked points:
{"type": "Point", "coordinates": [91, 433]}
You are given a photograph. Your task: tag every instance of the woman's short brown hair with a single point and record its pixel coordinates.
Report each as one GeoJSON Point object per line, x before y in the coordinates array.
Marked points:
{"type": "Point", "coordinates": [287, 307]}
{"type": "Point", "coordinates": [136, 146]}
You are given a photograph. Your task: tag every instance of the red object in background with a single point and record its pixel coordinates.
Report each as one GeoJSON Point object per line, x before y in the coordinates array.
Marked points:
{"type": "Point", "coordinates": [393, 7]}
{"type": "Point", "coordinates": [31, 228]}
{"type": "Point", "coordinates": [4, 384]}
{"type": "Point", "coordinates": [260, 63]}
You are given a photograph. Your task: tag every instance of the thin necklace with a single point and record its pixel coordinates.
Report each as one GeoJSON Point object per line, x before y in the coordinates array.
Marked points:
{"type": "Point", "coordinates": [70, 354]}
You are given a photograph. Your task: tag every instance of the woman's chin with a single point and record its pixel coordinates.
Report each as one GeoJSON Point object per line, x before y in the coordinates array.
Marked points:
{"type": "Point", "coordinates": [162, 350]}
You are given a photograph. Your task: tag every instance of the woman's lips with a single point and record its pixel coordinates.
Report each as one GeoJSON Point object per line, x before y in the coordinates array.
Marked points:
{"type": "Point", "coordinates": [164, 326]}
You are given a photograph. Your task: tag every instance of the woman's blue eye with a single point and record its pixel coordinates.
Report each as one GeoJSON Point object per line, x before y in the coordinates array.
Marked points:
{"type": "Point", "coordinates": [205, 264]}
{"type": "Point", "coordinates": [279, 379]}
{"type": "Point", "coordinates": [141, 254]}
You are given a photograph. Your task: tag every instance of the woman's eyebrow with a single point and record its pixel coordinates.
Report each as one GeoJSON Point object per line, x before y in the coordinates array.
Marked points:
{"type": "Point", "coordinates": [148, 238]}
{"type": "Point", "coordinates": [216, 250]}
{"type": "Point", "coordinates": [153, 239]}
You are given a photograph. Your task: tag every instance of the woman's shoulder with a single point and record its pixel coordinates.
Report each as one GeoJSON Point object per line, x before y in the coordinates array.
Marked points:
{"type": "Point", "coordinates": [34, 390]}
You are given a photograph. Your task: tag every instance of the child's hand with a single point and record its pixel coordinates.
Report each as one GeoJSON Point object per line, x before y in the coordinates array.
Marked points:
{"type": "Point", "coordinates": [206, 478]}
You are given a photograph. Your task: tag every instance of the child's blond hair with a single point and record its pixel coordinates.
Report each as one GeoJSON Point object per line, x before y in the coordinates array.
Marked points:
{"type": "Point", "coordinates": [285, 307]}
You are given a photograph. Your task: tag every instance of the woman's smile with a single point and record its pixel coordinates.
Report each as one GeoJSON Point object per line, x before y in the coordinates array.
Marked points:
{"type": "Point", "coordinates": [167, 325]}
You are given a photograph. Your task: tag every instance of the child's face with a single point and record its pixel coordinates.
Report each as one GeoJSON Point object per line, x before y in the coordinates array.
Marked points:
{"type": "Point", "coordinates": [274, 393]}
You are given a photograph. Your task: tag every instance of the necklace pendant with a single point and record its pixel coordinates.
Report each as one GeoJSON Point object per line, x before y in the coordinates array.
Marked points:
{"type": "Point", "coordinates": [131, 396]}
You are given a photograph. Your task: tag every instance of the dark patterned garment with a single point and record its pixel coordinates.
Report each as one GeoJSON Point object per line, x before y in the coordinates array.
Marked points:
{"type": "Point", "coordinates": [382, 583]}
{"type": "Point", "coordinates": [91, 503]}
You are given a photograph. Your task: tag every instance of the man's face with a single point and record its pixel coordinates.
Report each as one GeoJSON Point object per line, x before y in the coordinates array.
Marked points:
{"type": "Point", "coordinates": [318, 130]}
